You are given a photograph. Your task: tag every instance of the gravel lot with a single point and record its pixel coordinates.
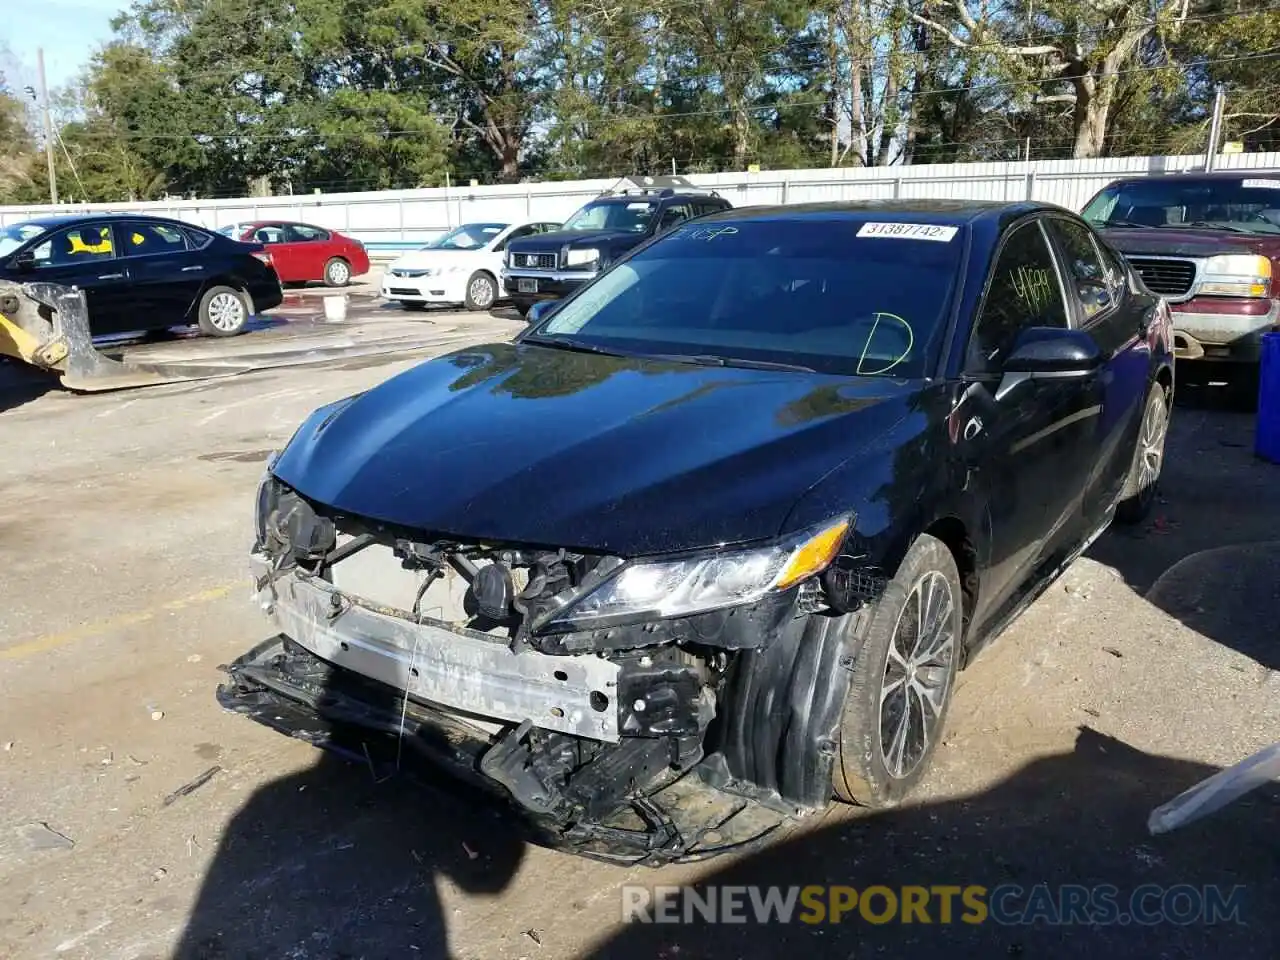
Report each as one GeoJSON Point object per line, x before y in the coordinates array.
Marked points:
{"type": "Point", "coordinates": [124, 522]}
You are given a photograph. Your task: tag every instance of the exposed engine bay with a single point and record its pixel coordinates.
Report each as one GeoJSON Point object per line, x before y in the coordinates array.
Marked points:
{"type": "Point", "coordinates": [642, 739]}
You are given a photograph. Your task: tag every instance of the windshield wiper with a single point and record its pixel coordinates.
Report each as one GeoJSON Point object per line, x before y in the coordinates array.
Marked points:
{"type": "Point", "coordinates": [712, 360]}
{"type": "Point", "coordinates": [1103, 224]}
{"type": "Point", "coordinates": [1209, 225]}
{"type": "Point", "coordinates": [580, 346]}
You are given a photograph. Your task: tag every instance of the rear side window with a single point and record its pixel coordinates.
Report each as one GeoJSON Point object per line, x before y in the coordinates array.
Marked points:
{"type": "Point", "coordinates": [198, 239]}
{"type": "Point", "coordinates": [301, 233]}
{"type": "Point", "coordinates": [1024, 292]}
{"type": "Point", "coordinates": [145, 239]}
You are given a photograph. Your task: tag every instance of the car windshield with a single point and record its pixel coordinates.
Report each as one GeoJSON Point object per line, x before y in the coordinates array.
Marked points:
{"type": "Point", "coordinates": [632, 216]}
{"type": "Point", "coordinates": [806, 292]}
{"type": "Point", "coordinates": [469, 236]}
{"type": "Point", "coordinates": [15, 235]}
{"type": "Point", "coordinates": [1249, 204]}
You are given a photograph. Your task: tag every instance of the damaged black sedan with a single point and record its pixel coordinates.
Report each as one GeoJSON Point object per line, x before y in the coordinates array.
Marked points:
{"type": "Point", "coordinates": [707, 544]}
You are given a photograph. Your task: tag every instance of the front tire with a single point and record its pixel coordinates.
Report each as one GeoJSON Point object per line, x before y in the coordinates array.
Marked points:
{"type": "Point", "coordinates": [482, 291]}
{"type": "Point", "coordinates": [337, 273]}
{"type": "Point", "coordinates": [224, 312]}
{"type": "Point", "coordinates": [1143, 482]}
{"type": "Point", "coordinates": [903, 679]}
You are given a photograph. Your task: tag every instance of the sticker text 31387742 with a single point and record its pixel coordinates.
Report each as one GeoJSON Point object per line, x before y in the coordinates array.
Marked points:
{"type": "Point", "coordinates": [908, 231]}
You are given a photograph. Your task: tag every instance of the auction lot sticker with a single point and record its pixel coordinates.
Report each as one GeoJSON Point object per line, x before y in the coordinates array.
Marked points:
{"type": "Point", "coordinates": [908, 231]}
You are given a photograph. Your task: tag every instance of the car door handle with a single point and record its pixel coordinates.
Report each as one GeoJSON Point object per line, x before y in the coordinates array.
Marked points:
{"type": "Point", "coordinates": [195, 269]}
{"type": "Point", "coordinates": [111, 276]}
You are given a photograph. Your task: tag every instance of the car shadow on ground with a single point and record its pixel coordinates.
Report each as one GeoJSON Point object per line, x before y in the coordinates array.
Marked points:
{"type": "Point", "coordinates": [331, 863]}
{"type": "Point", "coordinates": [1077, 818]}
{"type": "Point", "coordinates": [1209, 555]}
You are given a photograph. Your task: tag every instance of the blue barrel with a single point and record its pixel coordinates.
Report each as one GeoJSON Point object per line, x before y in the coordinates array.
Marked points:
{"type": "Point", "coordinates": [1267, 436]}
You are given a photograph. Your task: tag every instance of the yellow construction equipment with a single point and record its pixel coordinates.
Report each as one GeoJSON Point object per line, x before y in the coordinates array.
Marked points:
{"type": "Point", "coordinates": [46, 325]}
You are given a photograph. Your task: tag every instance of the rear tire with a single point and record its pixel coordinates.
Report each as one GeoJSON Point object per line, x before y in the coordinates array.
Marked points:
{"type": "Point", "coordinates": [224, 312]}
{"type": "Point", "coordinates": [337, 273]}
{"type": "Point", "coordinates": [1143, 482]}
{"type": "Point", "coordinates": [903, 678]}
{"type": "Point", "coordinates": [522, 306]}
{"type": "Point", "coordinates": [482, 291]}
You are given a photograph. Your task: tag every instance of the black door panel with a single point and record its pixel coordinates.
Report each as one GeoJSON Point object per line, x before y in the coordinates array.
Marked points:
{"type": "Point", "coordinates": [86, 256]}
{"type": "Point", "coordinates": [1026, 445]}
{"type": "Point", "coordinates": [1115, 317]}
{"type": "Point", "coordinates": [166, 276]}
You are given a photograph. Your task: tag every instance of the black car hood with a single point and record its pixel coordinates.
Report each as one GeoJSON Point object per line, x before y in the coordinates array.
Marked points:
{"type": "Point", "coordinates": [537, 445]}
{"type": "Point", "coordinates": [574, 238]}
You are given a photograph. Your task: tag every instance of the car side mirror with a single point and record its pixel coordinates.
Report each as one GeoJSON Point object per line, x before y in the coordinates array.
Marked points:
{"type": "Point", "coordinates": [1049, 353]}
{"type": "Point", "coordinates": [24, 261]}
{"type": "Point", "coordinates": [540, 311]}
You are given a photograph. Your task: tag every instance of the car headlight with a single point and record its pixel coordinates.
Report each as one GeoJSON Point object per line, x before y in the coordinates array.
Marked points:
{"type": "Point", "coordinates": [699, 584]}
{"type": "Point", "coordinates": [1236, 275]}
{"type": "Point", "coordinates": [267, 498]}
{"type": "Point", "coordinates": [581, 258]}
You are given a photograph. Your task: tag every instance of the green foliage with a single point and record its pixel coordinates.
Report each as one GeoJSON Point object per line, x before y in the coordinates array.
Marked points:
{"type": "Point", "coordinates": [218, 97]}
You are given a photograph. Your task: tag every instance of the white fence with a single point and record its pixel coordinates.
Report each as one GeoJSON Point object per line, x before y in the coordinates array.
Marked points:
{"type": "Point", "coordinates": [402, 216]}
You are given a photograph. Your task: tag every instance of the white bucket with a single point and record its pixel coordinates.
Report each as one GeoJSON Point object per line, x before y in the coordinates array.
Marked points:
{"type": "Point", "coordinates": [335, 309]}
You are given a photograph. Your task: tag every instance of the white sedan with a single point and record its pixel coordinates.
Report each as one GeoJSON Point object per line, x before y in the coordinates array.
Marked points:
{"type": "Point", "coordinates": [462, 266]}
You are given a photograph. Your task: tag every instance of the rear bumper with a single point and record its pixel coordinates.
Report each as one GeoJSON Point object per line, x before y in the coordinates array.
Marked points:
{"type": "Point", "coordinates": [266, 295]}
{"type": "Point", "coordinates": [1200, 333]}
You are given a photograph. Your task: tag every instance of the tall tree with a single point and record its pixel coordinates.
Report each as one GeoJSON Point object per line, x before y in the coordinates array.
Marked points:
{"type": "Point", "coordinates": [1082, 45]}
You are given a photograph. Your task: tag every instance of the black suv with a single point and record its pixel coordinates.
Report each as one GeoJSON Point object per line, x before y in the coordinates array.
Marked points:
{"type": "Point", "coordinates": [552, 265]}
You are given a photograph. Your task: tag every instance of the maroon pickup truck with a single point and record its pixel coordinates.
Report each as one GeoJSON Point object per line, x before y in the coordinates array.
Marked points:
{"type": "Point", "coordinates": [1209, 243]}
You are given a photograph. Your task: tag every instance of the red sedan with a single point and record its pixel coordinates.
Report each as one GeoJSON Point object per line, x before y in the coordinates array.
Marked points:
{"type": "Point", "coordinates": [303, 251]}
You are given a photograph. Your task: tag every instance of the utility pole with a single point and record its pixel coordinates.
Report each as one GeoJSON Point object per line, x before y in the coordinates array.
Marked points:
{"type": "Point", "coordinates": [48, 126]}
{"type": "Point", "coordinates": [1215, 128]}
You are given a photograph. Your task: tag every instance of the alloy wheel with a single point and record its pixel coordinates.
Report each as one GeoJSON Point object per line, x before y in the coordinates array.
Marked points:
{"type": "Point", "coordinates": [226, 312]}
{"type": "Point", "coordinates": [481, 291]}
{"type": "Point", "coordinates": [339, 273]}
{"type": "Point", "coordinates": [1155, 428]}
{"type": "Point", "coordinates": [917, 674]}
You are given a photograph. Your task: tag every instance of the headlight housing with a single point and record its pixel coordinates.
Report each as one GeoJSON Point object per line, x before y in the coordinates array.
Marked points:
{"type": "Point", "coordinates": [1236, 275]}
{"type": "Point", "coordinates": [267, 497]}
{"type": "Point", "coordinates": [581, 258]}
{"type": "Point", "coordinates": [654, 589]}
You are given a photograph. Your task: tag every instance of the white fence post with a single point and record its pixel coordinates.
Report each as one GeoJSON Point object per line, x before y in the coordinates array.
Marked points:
{"type": "Point", "coordinates": [1031, 184]}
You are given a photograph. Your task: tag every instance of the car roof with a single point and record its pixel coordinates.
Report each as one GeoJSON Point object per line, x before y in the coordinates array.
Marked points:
{"type": "Point", "coordinates": [656, 197]}
{"type": "Point", "coordinates": [1195, 175]}
{"type": "Point", "coordinates": [948, 212]}
{"type": "Point", "coordinates": [69, 220]}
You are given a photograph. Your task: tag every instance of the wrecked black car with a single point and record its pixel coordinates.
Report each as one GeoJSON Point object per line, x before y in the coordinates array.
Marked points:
{"type": "Point", "coordinates": [709, 541]}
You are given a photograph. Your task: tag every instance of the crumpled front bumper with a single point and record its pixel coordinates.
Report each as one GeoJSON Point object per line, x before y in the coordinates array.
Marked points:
{"type": "Point", "coordinates": [337, 675]}
{"type": "Point", "coordinates": [465, 671]}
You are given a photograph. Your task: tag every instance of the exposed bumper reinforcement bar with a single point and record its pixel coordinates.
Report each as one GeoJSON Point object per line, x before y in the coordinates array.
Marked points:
{"type": "Point", "coordinates": [464, 671]}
